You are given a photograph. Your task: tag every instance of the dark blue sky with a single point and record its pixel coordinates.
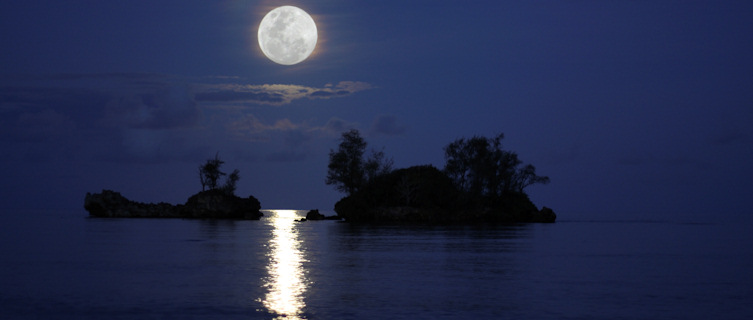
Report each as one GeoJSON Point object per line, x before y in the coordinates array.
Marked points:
{"type": "Point", "coordinates": [634, 109]}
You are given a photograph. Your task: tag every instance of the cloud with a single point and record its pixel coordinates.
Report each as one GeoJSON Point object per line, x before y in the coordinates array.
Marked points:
{"type": "Point", "coordinates": [297, 138]}
{"type": "Point", "coordinates": [132, 117]}
{"type": "Point", "coordinates": [115, 100]}
{"type": "Point", "coordinates": [162, 108]}
{"type": "Point", "coordinates": [274, 94]}
{"type": "Point", "coordinates": [284, 140]}
{"type": "Point", "coordinates": [146, 143]}
{"type": "Point", "coordinates": [250, 128]}
{"type": "Point", "coordinates": [230, 95]}
{"type": "Point", "coordinates": [336, 126]}
{"type": "Point", "coordinates": [387, 125]}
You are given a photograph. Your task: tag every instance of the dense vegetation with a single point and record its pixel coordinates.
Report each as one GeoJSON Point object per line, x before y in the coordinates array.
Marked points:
{"type": "Point", "coordinates": [481, 182]}
{"type": "Point", "coordinates": [348, 170]}
{"type": "Point", "coordinates": [214, 201]}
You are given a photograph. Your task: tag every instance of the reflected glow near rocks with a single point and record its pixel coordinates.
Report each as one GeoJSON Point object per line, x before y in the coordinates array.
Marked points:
{"type": "Point", "coordinates": [285, 284]}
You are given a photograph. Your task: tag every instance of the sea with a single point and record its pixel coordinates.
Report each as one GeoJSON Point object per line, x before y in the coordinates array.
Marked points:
{"type": "Point", "coordinates": [57, 265]}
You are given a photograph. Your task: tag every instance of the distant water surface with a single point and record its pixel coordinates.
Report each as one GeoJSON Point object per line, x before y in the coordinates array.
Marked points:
{"type": "Point", "coordinates": [64, 265]}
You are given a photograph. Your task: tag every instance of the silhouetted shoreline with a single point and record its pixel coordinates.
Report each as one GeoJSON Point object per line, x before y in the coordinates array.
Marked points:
{"type": "Point", "coordinates": [425, 195]}
{"type": "Point", "coordinates": [211, 204]}
{"type": "Point", "coordinates": [481, 183]}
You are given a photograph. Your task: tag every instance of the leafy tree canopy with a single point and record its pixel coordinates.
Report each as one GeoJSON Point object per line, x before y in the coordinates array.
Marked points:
{"type": "Point", "coordinates": [348, 171]}
{"type": "Point", "coordinates": [481, 167]}
{"type": "Point", "coordinates": [481, 182]}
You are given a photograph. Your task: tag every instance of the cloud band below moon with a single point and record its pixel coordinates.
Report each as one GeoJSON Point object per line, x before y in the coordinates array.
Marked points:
{"type": "Point", "coordinates": [274, 94]}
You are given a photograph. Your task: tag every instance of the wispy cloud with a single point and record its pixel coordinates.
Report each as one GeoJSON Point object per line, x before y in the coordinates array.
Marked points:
{"type": "Point", "coordinates": [137, 117]}
{"type": "Point", "coordinates": [274, 94]}
{"type": "Point", "coordinates": [169, 107]}
{"type": "Point", "coordinates": [335, 126]}
{"type": "Point", "coordinates": [284, 140]}
{"type": "Point", "coordinates": [251, 128]}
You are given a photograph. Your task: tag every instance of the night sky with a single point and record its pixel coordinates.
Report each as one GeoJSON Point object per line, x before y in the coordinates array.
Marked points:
{"type": "Point", "coordinates": [634, 109]}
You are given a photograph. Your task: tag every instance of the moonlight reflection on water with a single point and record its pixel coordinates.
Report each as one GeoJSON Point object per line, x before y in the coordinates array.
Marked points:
{"type": "Point", "coordinates": [285, 283]}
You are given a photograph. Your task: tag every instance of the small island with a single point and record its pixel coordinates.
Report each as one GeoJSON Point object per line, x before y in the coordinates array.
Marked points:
{"type": "Point", "coordinates": [215, 201]}
{"type": "Point", "coordinates": [481, 183]}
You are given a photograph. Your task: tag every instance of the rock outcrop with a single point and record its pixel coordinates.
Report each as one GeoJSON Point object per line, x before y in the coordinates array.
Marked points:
{"type": "Point", "coordinates": [315, 215]}
{"type": "Point", "coordinates": [448, 216]}
{"type": "Point", "coordinates": [425, 195]}
{"type": "Point", "coordinates": [545, 215]}
{"type": "Point", "coordinates": [213, 204]}
{"type": "Point", "coordinates": [216, 204]}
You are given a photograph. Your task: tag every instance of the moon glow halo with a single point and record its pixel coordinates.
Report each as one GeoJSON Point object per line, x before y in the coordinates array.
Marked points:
{"type": "Point", "coordinates": [287, 35]}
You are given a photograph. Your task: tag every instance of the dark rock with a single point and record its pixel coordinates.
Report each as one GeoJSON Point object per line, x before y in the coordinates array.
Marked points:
{"type": "Point", "coordinates": [113, 204]}
{"type": "Point", "coordinates": [425, 195]}
{"type": "Point", "coordinates": [545, 215]}
{"type": "Point", "coordinates": [213, 204]}
{"type": "Point", "coordinates": [314, 215]}
{"type": "Point", "coordinates": [216, 204]}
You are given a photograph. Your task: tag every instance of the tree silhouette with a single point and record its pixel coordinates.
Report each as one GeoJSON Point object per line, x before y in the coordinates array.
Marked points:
{"type": "Point", "coordinates": [481, 167]}
{"type": "Point", "coordinates": [376, 165]}
{"type": "Point", "coordinates": [210, 174]}
{"type": "Point", "coordinates": [347, 169]}
{"type": "Point", "coordinates": [230, 182]}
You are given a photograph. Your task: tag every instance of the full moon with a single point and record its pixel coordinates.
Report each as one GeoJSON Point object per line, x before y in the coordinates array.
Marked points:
{"type": "Point", "coordinates": [287, 35]}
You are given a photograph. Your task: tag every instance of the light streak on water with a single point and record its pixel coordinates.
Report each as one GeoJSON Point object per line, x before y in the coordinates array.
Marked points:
{"type": "Point", "coordinates": [286, 283]}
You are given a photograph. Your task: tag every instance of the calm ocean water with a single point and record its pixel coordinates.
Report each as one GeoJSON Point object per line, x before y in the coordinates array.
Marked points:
{"type": "Point", "coordinates": [57, 265]}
